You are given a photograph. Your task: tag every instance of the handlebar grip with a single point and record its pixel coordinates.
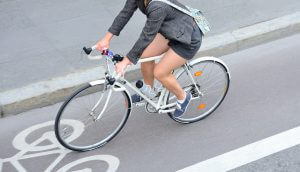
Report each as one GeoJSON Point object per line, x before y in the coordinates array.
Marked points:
{"type": "Point", "coordinates": [117, 58]}
{"type": "Point", "coordinates": [87, 50]}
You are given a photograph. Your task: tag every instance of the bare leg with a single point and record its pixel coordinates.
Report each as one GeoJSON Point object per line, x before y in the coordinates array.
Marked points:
{"type": "Point", "coordinates": [157, 47]}
{"type": "Point", "coordinates": [163, 72]}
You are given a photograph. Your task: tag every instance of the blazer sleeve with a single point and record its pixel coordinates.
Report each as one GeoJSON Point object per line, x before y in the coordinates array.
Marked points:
{"type": "Point", "coordinates": [123, 17]}
{"type": "Point", "coordinates": [156, 14]}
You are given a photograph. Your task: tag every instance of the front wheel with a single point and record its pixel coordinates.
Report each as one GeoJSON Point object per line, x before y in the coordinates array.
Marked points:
{"type": "Point", "coordinates": [211, 85]}
{"type": "Point", "coordinates": [84, 108]}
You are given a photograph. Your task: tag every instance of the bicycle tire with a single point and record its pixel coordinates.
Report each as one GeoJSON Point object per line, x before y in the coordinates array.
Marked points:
{"type": "Point", "coordinates": [194, 69]}
{"type": "Point", "coordinates": [82, 94]}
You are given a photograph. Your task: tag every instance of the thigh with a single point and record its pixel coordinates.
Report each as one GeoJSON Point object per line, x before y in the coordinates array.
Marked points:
{"type": "Point", "coordinates": [157, 47]}
{"type": "Point", "coordinates": [170, 61]}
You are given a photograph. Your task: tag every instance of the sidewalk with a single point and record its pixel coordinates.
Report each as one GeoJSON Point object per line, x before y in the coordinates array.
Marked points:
{"type": "Point", "coordinates": [46, 66]}
{"type": "Point", "coordinates": [41, 40]}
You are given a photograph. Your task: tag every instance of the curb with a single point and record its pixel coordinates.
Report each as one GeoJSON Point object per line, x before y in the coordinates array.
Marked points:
{"type": "Point", "coordinates": [55, 90]}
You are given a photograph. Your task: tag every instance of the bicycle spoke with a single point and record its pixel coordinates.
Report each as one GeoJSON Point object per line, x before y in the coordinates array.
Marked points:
{"type": "Point", "coordinates": [211, 78]}
{"type": "Point", "coordinates": [86, 107]}
{"type": "Point", "coordinates": [213, 85]}
{"type": "Point", "coordinates": [213, 91]}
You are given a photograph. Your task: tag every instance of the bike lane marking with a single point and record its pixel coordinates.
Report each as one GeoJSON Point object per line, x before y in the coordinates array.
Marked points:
{"type": "Point", "coordinates": [113, 163]}
{"type": "Point", "coordinates": [248, 153]}
{"type": "Point", "coordinates": [19, 142]}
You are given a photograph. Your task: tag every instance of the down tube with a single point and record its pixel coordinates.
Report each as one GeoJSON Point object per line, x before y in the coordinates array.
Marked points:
{"type": "Point", "coordinates": [139, 92]}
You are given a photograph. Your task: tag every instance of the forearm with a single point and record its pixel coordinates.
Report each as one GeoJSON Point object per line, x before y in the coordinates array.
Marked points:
{"type": "Point", "coordinates": [123, 17]}
{"type": "Point", "coordinates": [104, 42]}
{"type": "Point", "coordinates": [108, 36]}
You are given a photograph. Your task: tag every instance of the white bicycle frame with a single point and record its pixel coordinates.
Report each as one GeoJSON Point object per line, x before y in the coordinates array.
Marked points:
{"type": "Point", "coordinates": [160, 106]}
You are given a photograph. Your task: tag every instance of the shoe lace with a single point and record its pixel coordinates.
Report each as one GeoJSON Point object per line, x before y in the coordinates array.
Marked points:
{"type": "Point", "coordinates": [178, 105]}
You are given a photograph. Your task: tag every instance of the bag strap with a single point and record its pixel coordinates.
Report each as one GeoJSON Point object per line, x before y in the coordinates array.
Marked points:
{"type": "Point", "coordinates": [175, 6]}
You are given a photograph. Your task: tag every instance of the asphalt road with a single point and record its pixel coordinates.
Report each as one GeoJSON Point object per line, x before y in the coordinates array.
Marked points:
{"type": "Point", "coordinates": [41, 40]}
{"type": "Point", "coordinates": [263, 101]}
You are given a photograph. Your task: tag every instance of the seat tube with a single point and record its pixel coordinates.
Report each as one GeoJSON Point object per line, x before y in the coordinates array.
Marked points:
{"type": "Point", "coordinates": [186, 68]}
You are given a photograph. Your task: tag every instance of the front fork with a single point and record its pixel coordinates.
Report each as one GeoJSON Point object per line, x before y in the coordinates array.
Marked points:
{"type": "Point", "coordinates": [110, 85]}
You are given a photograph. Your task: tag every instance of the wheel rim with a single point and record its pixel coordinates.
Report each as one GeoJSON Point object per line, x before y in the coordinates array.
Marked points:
{"type": "Point", "coordinates": [96, 132]}
{"type": "Point", "coordinates": [212, 79]}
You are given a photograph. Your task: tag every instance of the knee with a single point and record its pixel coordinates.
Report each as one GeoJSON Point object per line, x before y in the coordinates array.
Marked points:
{"type": "Point", "coordinates": [159, 74]}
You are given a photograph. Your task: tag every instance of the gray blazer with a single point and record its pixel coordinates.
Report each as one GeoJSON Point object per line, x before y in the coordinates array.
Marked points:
{"type": "Point", "coordinates": [161, 18]}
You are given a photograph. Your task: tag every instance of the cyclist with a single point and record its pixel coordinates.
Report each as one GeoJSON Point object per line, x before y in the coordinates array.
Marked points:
{"type": "Point", "coordinates": [168, 31]}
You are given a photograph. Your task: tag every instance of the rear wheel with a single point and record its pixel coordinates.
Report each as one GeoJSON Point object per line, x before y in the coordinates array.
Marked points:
{"type": "Point", "coordinates": [212, 79]}
{"type": "Point", "coordinates": [79, 108]}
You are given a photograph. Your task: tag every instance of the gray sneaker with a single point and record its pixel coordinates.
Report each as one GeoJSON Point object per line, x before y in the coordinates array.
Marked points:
{"type": "Point", "coordinates": [180, 108]}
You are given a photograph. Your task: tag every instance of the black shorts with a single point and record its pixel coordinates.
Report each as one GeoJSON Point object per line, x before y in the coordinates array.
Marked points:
{"type": "Point", "coordinates": [188, 51]}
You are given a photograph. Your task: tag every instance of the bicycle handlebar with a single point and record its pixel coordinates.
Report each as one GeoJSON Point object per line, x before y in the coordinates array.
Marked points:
{"type": "Point", "coordinates": [116, 57]}
{"type": "Point", "coordinates": [106, 52]}
{"type": "Point", "coordinates": [88, 50]}
{"type": "Point", "coordinates": [109, 54]}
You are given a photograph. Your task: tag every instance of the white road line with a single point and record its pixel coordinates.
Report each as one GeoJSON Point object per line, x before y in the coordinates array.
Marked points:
{"type": "Point", "coordinates": [248, 153]}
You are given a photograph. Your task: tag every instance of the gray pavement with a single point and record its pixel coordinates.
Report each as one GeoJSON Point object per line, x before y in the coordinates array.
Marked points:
{"type": "Point", "coordinates": [41, 40]}
{"type": "Point", "coordinates": [263, 100]}
{"type": "Point", "coordinates": [287, 160]}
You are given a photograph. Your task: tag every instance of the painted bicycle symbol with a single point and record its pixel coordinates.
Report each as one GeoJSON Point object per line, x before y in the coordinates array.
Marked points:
{"type": "Point", "coordinates": [38, 149]}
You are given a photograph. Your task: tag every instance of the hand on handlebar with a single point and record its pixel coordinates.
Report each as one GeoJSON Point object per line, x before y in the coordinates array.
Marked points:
{"type": "Point", "coordinates": [102, 45]}
{"type": "Point", "coordinates": [104, 42]}
{"type": "Point", "coordinates": [121, 66]}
